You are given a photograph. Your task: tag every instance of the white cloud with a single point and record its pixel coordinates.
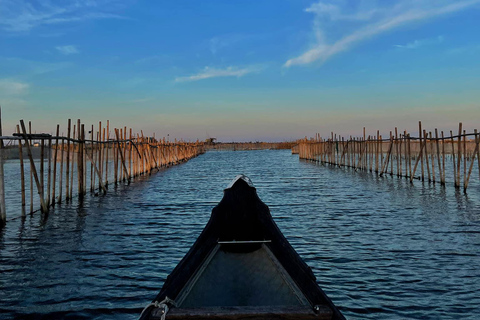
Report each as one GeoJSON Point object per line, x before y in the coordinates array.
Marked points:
{"type": "Point", "coordinates": [23, 16]}
{"type": "Point", "coordinates": [67, 50]}
{"type": "Point", "coordinates": [214, 73]}
{"type": "Point", "coordinates": [367, 22]}
{"type": "Point", "coordinates": [10, 87]}
{"type": "Point", "coordinates": [420, 43]}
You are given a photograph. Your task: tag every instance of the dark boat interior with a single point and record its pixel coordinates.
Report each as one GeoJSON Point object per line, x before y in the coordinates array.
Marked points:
{"type": "Point", "coordinates": [241, 267]}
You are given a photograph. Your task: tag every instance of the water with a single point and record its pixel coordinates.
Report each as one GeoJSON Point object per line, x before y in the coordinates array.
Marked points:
{"type": "Point", "coordinates": [381, 248]}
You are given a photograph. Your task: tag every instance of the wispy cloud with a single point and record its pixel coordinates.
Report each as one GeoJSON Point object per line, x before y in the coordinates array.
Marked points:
{"type": "Point", "coordinates": [67, 50]}
{"type": "Point", "coordinates": [366, 22]}
{"type": "Point", "coordinates": [9, 87]}
{"type": "Point", "coordinates": [420, 43]}
{"type": "Point", "coordinates": [215, 73]}
{"type": "Point", "coordinates": [23, 16]}
{"type": "Point", "coordinates": [12, 93]}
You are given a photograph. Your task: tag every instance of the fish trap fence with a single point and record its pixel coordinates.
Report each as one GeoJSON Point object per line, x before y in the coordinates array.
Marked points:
{"type": "Point", "coordinates": [59, 167]}
{"type": "Point", "coordinates": [429, 157]}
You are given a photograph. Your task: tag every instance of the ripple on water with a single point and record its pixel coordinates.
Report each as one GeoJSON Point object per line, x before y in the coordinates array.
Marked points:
{"type": "Point", "coordinates": [380, 247]}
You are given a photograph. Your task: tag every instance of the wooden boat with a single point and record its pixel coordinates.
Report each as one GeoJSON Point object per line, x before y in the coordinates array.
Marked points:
{"type": "Point", "coordinates": [241, 267]}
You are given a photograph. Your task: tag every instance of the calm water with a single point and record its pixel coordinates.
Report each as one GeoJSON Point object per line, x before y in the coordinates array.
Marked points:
{"type": "Point", "coordinates": [380, 247]}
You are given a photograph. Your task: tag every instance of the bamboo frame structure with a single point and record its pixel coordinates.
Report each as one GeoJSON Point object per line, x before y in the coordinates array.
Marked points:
{"type": "Point", "coordinates": [81, 157]}
{"type": "Point", "coordinates": [400, 155]}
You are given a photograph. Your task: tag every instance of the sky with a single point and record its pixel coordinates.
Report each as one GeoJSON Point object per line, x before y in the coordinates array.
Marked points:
{"type": "Point", "coordinates": [241, 70]}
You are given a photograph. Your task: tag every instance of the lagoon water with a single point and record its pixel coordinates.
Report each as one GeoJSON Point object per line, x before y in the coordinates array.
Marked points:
{"type": "Point", "coordinates": [381, 248]}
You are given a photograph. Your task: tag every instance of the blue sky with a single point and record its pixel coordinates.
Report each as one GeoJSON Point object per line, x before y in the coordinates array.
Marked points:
{"type": "Point", "coordinates": [241, 70]}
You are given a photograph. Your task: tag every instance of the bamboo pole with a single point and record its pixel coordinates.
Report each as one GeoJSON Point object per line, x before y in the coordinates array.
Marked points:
{"type": "Point", "coordinates": [3, 210]}
{"type": "Point", "coordinates": [102, 186]}
{"type": "Point", "coordinates": [421, 148]}
{"type": "Point", "coordinates": [106, 156]}
{"type": "Point", "coordinates": [125, 173]}
{"type": "Point", "coordinates": [373, 152]}
{"type": "Point", "coordinates": [459, 157]}
{"type": "Point", "coordinates": [43, 206]}
{"type": "Point", "coordinates": [22, 172]}
{"type": "Point", "coordinates": [425, 137]}
{"type": "Point", "coordinates": [49, 174]}
{"type": "Point", "coordinates": [397, 152]}
{"type": "Point", "coordinates": [417, 161]}
{"type": "Point", "coordinates": [104, 150]}
{"type": "Point", "coordinates": [464, 157]}
{"type": "Point", "coordinates": [42, 176]}
{"type": "Point", "coordinates": [443, 158]}
{"type": "Point", "coordinates": [432, 153]}
{"type": "Point", "coordinates": [377, 151]}
{"type": "Point", "coordinates": [440, 169]}
{"type": "Point", "coordinates": [84, 158]}
{"type": "Point", "coordinates": [60, 182]}
{"type": "Point", "coordinates": [387, 159]}
{"type": "Point", "coordinates": [405, 152]}
{"type": "Point", "coordinates": [130, 149]}
{"type": "Point", "coordinates": [453, 159]}
{"type": "Point", "coordinates": [55, 155]}
{"type": "Point", "coordinates": [478, 153]}
{"type": "Point", "coordinates": [31, 170]}
{"type": "Point", "coordinates": [121, 152]}
{"type": "Point", "coordinates": [99, 153]}
{"type": "Point", "coordinates": [115, 161]}
{"type": "Point", "coordinates": [70, 196]}
{"type": "Point", "coordinates": [67, 173]}
{"type": "Point", "coordinates": [79, 161]}
{"type": "Point", "coordinates": [409, 153]}
{"type": "Point", "coordinates": [91, 156]}
{"type": "Point", "coordinates": [475, 152]}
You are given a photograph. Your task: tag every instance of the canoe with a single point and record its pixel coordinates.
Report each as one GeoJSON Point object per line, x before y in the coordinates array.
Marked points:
{"type": "Point", "coordinates": [241, 267]}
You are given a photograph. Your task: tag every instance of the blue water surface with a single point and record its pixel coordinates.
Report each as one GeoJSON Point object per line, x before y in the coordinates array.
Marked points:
{"type": "Point", "coordinates": [380, 247]}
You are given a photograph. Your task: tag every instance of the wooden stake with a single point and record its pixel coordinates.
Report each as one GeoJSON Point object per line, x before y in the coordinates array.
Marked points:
{"type": "Point", "coordinates": [421, 147]}
{"type": "Point", "coordinates": [121, 152]}
{"type": "Point", "coordinates": [70, 196]}
{"type": "Point", "coordinates": [464, 158]}
{"type": "Point", "coordinates": [67, 174]}
{"type": "Point", "coordinates": [443, 158]}
{"type": "Point", "coordinates": [433, 157]}
{"type": "Point", "coordinates": [453, 159]}
{"type": "Point", "coordinates": [22, 172]}
{"type": "Point", "coordinates": [43, 206]}
{"type": "Point", "coordinates": [55, 165]}
{"type": "Point", "coordinates": [3, 210]}
{"type": "Point", "coordinates": [387, 159]}
{"type": "Point", "coordinates": [102, 186]}
{"type": "Point", "coordinates": [440, 173]}
{"type": "Point", "coordinates": [91, 157]}
{"type": "Point", "coordinates": [29, 141]}
{"type": "Point", "coordinates": [42, 176]}
{"type": "Point", "coordinates": [99, 153]}
{"type": "Point", "coordinates": [61, 172]}
{"type": "Point", "coordinates": [459, 157]}
{"type": "Point", "coordinates": [425, 137]}
{"type": "Point", "coordinates": [106, 157]}
{"type": "Point", "coordinates": [49, 174]}
{"type": "Point", "coordinates": [409, 154]}
{"type": "Point", "coordinates": [475, 152]}
{"type": "Point", "coordinates": [81, 148]}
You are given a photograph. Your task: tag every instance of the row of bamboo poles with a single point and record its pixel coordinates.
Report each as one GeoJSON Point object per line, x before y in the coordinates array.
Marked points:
{"type": "Point", "coordinates": [69, 165]}
{"type": "Point", "coordinates": [424, 157]}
